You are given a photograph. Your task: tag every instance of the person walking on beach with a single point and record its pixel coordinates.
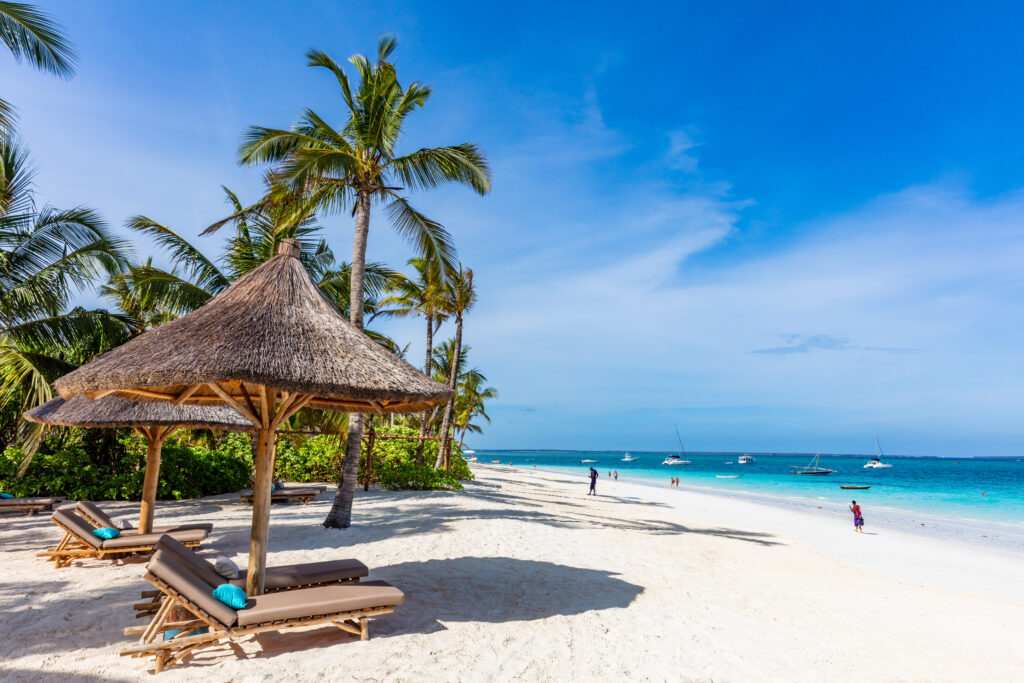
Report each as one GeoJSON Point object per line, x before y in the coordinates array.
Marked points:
{"type": "Point", "coordinates": [593, 482]}
{"type": "Point", "coordinates": [616, 477]}
{"type": "Point", "coordinates": [858, 518]}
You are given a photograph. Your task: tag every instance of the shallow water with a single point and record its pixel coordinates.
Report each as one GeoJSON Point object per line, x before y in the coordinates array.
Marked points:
{"type": "Point", "coordinates": [969, 489]}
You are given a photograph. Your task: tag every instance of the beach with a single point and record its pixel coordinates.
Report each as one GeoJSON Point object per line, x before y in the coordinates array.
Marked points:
{"type": "Point", "coordinates": [521, 576]}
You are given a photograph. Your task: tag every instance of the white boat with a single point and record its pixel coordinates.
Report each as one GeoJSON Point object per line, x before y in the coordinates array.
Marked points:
{"type": "Point", "coordinates": [728, 476]}
{"type": "Point", "coordinates": [746, 459]}
{"type": "Point", "coordinates": [677, 459]}
{"type": "Point", "coordinates": [628, 457]}
{"type": "Point", "coordinates": [468, 455]}
{"type": "Point", "coordinates": [586, 461]}
{"type": "Point", "coordinates": [812, 468]}
{"type": "Point", "coordinates": [876, 462]}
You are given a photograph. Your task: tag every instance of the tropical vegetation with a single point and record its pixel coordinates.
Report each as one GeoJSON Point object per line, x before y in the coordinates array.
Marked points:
{"type": "Point", "coordinates": [50, 258]}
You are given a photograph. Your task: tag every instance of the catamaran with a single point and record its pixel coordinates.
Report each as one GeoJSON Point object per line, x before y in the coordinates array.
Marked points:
{"type": "Point", "coordinates": [876, 462]}
{"type": "Point", "coordinates": [677, 459]}
{"type": "Point", "coordinates": [628, 457]}
{"type": "Point", "coordinates": [812, 468]}
{"type": "Point", "coordinates": [746, 459]}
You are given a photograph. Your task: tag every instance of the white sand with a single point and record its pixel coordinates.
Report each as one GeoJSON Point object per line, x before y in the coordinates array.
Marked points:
{"type": "Point", "coordinates": [522, 577]}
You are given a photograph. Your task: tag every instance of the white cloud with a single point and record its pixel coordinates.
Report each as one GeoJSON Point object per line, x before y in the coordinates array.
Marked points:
{"type": "Point", "coordinates": [679, 148]}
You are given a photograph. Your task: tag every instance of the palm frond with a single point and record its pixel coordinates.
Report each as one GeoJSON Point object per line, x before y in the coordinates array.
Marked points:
{"type": "Point", "coordinates": [427, 236]}
{"type": "Point", "coordinates": [34, 37]}
{"type": "Point", "coordinates": [201, 269]}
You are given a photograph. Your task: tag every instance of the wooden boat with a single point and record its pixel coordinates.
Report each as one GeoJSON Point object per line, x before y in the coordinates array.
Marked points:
{"type": "Point", "coordinates": [812, 468]}
{"type": "Point", "coordinates": [728, 476]}
{"type": "Point", "coordinates": [842, 486]}
{"type": "Point", "coordinates": [495, 461]}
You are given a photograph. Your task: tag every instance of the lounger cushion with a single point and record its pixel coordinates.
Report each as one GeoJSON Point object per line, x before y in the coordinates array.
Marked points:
{"type": "Point", "coordinates": [91, 510]}
{"type": "Point", "coordinates": [317, 601]}
{"type": "Point", "coordinates": [230, 595]}
{"type": "Point", "coordinates": [106, 533]}
{"type": "Point", "coordinates": [79, 527]}
{"type": "Point", "coordinates": [132, 540]}
{"type": "Point", "coordinates": [15, 502]}
{"type": "Point", "coordinates": [169, 569]}
{"type": "Point", "coordinates": [203, 526]}
{"type": "Point", "coordinates": [308, 574]}
{"type": "Point", "coordinates": [200, 567]}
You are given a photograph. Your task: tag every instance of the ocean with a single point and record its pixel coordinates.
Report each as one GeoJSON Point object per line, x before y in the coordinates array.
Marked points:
{"type": "Point", "coordinates": [982, 490]}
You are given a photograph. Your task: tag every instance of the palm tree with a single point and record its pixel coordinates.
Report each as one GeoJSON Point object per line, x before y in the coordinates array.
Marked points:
{"type": "Point", "coordinates": [32, 36]}
{"type": "Point", "coordinates": [47, 255]}
{"type": "Point", "coordinates": [461, 296]}
{"type": "Point", "coordinates": [471, 403]}
{"type": "Point", "coordinates": [355, 166]}
{"type": "Point", "coordinates": [422, 296]}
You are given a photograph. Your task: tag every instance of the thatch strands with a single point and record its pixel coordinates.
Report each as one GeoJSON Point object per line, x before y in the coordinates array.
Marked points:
{"type": "Point", "coordinates": [268, 346]}
{"type": "Point", "coordinates": [155, 421]}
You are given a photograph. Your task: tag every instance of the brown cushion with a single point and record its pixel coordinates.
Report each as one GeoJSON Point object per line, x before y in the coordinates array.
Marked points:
{"type": "Point", "coordinates": [317, 601]}
{"type": "Point", "coordinates": [308, 574]}
{"type": "Point", "coordinates": [78, 526]}
{"type": "Point", "coordinates": [14, 502]}
{"type": "Point", "coordinates": [205, 526]}
{"type": "Point", "coordinates": [203, 569]}
{"type": "Point", "coordinates": [91, 510]}
{"type": "Point", "coordinates": [130, 540]}
{"type": "Point", "coordinates": [170, 570]}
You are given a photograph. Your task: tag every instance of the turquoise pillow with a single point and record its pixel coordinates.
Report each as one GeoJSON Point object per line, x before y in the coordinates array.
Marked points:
{"type": "Point", "coordinates": [230, 595]}
{"type": "Point", "coordinates": [6, 495]}
{"type": "Point", "coordinates": [106, 533]}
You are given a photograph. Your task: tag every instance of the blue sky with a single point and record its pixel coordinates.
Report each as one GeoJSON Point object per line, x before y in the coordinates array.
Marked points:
{"type": "Point", "coordinates": [783, 226]}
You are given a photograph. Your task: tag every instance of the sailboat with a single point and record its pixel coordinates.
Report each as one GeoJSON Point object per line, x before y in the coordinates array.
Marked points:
{"type": "Point", "coordinates": [812, 468]}
{"type": "Point", "coordinates": [876, 462]}
{"type": "Point", "coordinates": [677, 459]}
{"type": "Point", "coordinates": [628, 458]}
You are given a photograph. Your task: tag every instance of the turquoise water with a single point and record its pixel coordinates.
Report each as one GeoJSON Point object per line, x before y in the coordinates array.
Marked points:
{"type": "Point", "coordinates": [969, 489]}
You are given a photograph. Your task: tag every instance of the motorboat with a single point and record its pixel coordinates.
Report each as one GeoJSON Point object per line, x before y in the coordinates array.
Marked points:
{"type": "Point", "coordinates": [876, 462]}
{"type": "Point", "coordinates": [468, 455]}
{"type": "Point", "coordinates": [628, 458]}
{"type": "Point", "coordinates": [746, 459]}
{"type": "Point", "coordinates": [812, 468]}
{"type": "Point", "coordinates": [587, 461]}
{"type": "Point", "coordinates": [728, 476]}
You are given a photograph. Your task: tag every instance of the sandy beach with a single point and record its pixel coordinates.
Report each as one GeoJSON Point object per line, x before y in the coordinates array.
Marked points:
{"type": "Point", "coordinates": [523, 577]}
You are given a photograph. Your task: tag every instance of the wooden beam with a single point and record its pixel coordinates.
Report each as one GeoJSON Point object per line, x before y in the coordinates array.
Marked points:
{"type": "Point", "coordinates": [248, 399]}
{"type": "Point", "coordinates": [230, 400]}
{"type": "Point", "coordinates": [148, 394]}
{"type": "Point", "coordinates": [184, 396]}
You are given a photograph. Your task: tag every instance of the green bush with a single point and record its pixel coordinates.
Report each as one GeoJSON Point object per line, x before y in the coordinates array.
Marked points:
{"type": "Point", "coordinates": [317, 459]}
{"type": "Point", "coordinates": [185, 472]}
{"type": "Point", "coordinates": [408, 475]}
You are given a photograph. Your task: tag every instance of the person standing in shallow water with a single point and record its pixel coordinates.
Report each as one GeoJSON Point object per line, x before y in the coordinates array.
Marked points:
{"type": "Point", "coordinates": [593, 482]}
{"type": "Point", "coordinates": [858, 517]}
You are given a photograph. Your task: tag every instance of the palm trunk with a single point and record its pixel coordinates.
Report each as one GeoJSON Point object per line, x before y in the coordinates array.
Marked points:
{"type": "Point", "coordinates": [446, 422]}
{"type": "Point", "coordinates": [340, 516]}
{"type": "Point", "coordinates": [426, 371]}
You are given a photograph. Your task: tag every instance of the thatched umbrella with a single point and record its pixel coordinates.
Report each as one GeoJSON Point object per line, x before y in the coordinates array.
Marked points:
{"type": "Point", "coordinates": [155, 421]}
{"type": "Point", "coordinates": [269, 345]}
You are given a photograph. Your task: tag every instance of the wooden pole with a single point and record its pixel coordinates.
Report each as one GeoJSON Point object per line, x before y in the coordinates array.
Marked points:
{"type": "Point", "coordinates": [266, 447]}
{"type": "Point", "coordinates": [154, 443]}
{"type": "Point", "coordinates": [369, 456]}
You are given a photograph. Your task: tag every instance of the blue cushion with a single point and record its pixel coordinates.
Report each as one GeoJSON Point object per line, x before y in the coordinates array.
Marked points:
{"type": "Point", "coordinates": [106, 533]}
{"type": "Point", "coordinates": [230, 595]}
{"type": "Point", "coordinates": [6, 495]}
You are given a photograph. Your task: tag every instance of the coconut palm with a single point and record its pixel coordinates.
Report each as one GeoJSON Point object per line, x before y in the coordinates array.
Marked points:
{"type": "Point", "coordinates": [33, 37]}
{"type": "Point", "coordinates": [356, 165]}
{"type": "Point", "coordinates": [46, 256]}
{"type": "Point", "coordinates": [422, 296]}
{"type": "Point", "coordinates": [460, 296]}
{"type": "Point", "coordinates": [471, 402]}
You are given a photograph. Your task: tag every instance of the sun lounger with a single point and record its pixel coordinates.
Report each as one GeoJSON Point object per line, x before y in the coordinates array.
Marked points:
{"type": "Point", "coordinates": [286, 577]}
{"type": "Point", "coordinates": [99, 519]}
{"type": "Point", "coordinates": [30, 506]}
{"type": "Point", "coordinates": [301, 494]}
{"type": "Point", "coordinates": [190, 600]}
{"type": "Point", "coordinates": [80, 542]}
{"type": "Point", "coordinates": [288, 487]}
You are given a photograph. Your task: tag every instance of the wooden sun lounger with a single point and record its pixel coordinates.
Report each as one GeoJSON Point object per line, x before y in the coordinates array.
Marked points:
{"type": "Point", "coordinates": [319, 487]}
{"type": "Point", "coordinates": [30, 506]}
{"type": "Point", "coordinates": [80, 543]}
{"type": "Point", "coordinates": [303, 495]}
{"type": "Point", "coordinates": [282, 578]}
{"type": "Point", "coordinates": [190, 600]}
{"type": "Point", "coordinates": [93, 514]}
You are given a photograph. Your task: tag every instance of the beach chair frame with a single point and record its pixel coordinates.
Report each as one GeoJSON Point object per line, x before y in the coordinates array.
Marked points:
{"type": "Point", "coordinates": [72, 547]}
{"type": "Point", "coordinates": [166, 653]}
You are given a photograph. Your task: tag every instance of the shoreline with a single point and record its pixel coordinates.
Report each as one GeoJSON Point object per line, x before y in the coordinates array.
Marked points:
{"type": "Point", "coordinates": [985, 533]}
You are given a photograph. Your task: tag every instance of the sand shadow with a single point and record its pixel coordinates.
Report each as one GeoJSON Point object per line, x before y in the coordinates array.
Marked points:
{"type": "Point", "coordinates": [12, 675]}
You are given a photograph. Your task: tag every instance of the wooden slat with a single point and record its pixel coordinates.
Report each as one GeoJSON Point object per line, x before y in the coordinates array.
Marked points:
{"type": "Point", "coordinates": [184, 396]}
{"type": "Point", "coordinates": [230, 400]}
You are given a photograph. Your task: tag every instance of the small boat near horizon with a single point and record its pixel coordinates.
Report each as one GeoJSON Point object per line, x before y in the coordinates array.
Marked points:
{"type": "Point", "coordinates": [746, 459]}
{"type": "Point", "coordinates": [812, 468]}
{"type": "Point", "coordinates": [677, 459]}
{"type": "Point", "coordinates": [728, 476]}
{"type": "Point", "coordinates": [851, 486]}
{"type": "Point", "coordinates": [584, 462]}
{"type": "Point", "coordinates": [876, 462]}
{"type": "Point", "coordinates": [628, 458]}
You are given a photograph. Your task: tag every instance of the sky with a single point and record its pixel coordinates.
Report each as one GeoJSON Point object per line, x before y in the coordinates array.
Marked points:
{"type": "Point", "coordinates": [781, 226]}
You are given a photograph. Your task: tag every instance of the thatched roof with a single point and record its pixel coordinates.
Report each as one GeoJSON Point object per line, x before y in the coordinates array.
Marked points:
{"type": "Point", "coordinates": [273, 327]}
{"type": "Point", "coordinates": [110, 411]}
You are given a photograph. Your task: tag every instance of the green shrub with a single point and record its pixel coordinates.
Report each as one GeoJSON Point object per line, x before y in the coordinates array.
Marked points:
{"type": "Point", "coordinates": [317, 459]}
{"type": "Point", "coordinates": [408, 475]}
